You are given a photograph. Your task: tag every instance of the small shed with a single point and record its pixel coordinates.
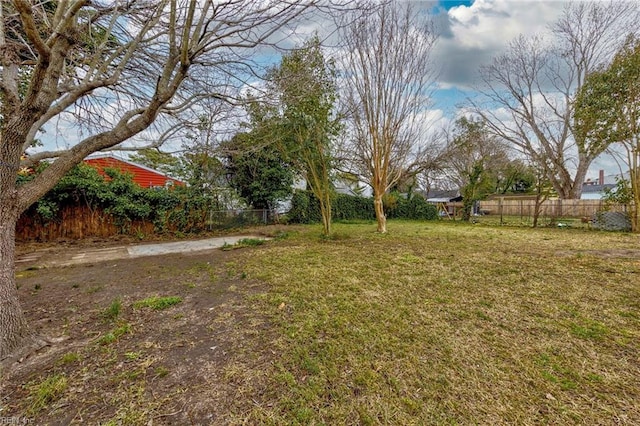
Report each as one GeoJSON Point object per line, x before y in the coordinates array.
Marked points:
{"type": "Point", "coordinates": [144, 176]}
{"type": "Point", "coordinates": [449, 203]}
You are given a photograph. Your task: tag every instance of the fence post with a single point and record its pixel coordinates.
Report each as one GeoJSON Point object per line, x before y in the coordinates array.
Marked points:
{"type": "Point", "coordinates": [559, 211]}
{"type": "Point", "coordinates": [521, 210]}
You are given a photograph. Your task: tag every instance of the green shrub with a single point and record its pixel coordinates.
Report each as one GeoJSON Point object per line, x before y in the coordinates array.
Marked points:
{"type": "Point", "coordinates": [350, 207]}
{"type": "Point", "coordinates": [395, 206]}
{"type": "Point", "coordinates": [306, 209]}
{"type": "Point", "coordinates": [418, 208]}
{"type": "Point", "coordinates": [414, 206]}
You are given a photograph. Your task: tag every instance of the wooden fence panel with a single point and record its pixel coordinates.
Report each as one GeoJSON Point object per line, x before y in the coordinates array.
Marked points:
{"type": "Point", "coordinates": [76, 222]}
{"type": "Point", "coordinates": [549, 208]}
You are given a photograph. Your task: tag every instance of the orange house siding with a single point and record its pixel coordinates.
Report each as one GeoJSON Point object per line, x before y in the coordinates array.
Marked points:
{"type": "Point", "coordinates": [143, 176]}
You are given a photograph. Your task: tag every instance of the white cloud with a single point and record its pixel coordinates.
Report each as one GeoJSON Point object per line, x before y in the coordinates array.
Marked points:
{"type": "Point", "coordinates": [432, 121]}
{"type": "Point", "coordinates": [489, 24]}
{"type": "Point", "coordinates": [473, 35]}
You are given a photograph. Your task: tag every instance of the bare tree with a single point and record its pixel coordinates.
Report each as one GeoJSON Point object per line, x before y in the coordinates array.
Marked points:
{"type": "Point", "coordinates": [475, 160]}
{"type": "Point", "coordinates": [530, 90]}
{"type": "Point", "coordinates": [387, 82]}
{"type": "Point", "coordinates": [117, 65]}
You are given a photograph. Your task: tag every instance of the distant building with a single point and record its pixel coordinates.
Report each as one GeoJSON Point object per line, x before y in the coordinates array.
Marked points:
{"type": "Point", "coordinates": [144, 176]}
{"type": "Point", "coordinates": [595, 192]}
{"type": "Point", "coordinates": [596, 189]}
{"type": "Point", "coordinates": [442, 196]}
{"type": "Point", "coordinates": [448, 202]}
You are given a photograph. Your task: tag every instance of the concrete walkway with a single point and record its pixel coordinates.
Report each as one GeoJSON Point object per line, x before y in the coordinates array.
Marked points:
{"type": "Point", "coordinates": [46, 260]}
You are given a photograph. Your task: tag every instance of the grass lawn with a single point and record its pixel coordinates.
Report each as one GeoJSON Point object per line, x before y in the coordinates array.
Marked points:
{"type": "Point", "coordinates": [441, 323]}
{"type": "Point", "coordinates": [432, 323]}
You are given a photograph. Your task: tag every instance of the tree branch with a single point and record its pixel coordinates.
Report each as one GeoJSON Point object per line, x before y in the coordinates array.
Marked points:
{"type": "Point", "coordinates": [26, 15]}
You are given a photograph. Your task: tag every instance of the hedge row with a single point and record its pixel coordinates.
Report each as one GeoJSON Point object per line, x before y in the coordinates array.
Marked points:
{"type": "Point", "coordinates": [305, 208]}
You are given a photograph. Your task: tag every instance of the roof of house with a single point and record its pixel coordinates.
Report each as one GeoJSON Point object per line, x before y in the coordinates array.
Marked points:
{"type": "Point", "coordinates": [596, 188]}
{"type": "Point", "coordinates": [442, 196]}
{"type": "Point", "coordinates": [142, 175]}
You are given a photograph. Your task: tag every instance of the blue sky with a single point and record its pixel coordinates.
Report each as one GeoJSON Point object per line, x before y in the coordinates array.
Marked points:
{"type": "Point", "coordinates": [473, 32]}
{"type": "Point", "coordinates": [448, 4]}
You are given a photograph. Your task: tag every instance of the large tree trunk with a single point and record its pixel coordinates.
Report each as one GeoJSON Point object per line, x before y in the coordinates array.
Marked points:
{"type": "Point", "coordinates": [14, 331]}
{"type": "Point", "coordinates": [580, 177]}
{"type": "Point", "coordinates": [13, 325]}
{"type": "Point", "coordinates": [567, 186]}
{"type": "Point", "coordinates": [379, 208]}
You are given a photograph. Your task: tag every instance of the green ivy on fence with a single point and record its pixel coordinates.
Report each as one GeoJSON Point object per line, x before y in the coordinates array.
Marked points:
{"type": "Point", "coordinates": [306, 209]}
{"type": "Point", "coordinates": [180, 208]}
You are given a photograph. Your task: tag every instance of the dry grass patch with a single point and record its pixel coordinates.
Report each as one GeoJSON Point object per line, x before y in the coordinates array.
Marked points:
{"type": "Point", "coordinates": [434, 323]}
{"type": "Point", "coordinates": [445, 323]}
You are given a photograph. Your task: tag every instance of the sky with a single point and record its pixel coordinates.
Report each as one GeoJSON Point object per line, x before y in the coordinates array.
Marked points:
{"type": "Point", "coordinates": [471, 34]}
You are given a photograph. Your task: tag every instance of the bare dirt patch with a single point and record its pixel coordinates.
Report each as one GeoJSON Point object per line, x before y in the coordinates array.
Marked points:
{"type": "Point", "coordinates": [116, 361]}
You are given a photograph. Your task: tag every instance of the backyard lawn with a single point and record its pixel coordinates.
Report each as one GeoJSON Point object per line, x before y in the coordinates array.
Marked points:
{"type": "Point", "coordinates": [432, 323]}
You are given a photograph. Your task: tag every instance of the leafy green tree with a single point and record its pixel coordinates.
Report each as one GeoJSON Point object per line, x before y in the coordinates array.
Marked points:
{"type": "Point", "coordinates": [305, 85]}
{"type": "Point", "coordinates": [515, 178]}
{"type": "Point", "coordinates": [620, 194]}
{"type": "Point", "coordinates": [608, 112]}
{"type": "Point", "coordinates": [257, 171]}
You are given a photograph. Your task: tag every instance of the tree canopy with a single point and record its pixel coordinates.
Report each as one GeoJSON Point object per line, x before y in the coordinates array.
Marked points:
{"type": "Point", "coordinates": [530, 89]}
{"type": "Point", "coordinates": [306, 89]}
{"type": "Point", "coordinates": [608, 112]}
{"type": "Point", "coordinates": [257, 171]}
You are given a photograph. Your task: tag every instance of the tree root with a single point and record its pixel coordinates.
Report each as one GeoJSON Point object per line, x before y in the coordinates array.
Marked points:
{"type": "Point", "coordinates": [30, 346]}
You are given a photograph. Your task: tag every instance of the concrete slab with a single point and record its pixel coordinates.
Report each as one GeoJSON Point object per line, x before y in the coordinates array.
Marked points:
{"type": "Point", "coordinates": [41, 259]}
{"type": "Point", "coordinates": [184, 246]}
{"type": "Point", "coordinates": [90, 256]}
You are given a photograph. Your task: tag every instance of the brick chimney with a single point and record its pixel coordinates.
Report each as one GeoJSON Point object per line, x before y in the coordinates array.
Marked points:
{"type": "Point", "coordinates": [601, 178]}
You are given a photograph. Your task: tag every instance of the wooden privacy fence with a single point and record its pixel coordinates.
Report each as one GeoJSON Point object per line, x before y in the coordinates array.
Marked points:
{"type": "Point", "coordinates": [76, 222]}
{"type": "Point", "coordinates": [81, 221]}
{"type": "Point", "coordinates": [549, 208]}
